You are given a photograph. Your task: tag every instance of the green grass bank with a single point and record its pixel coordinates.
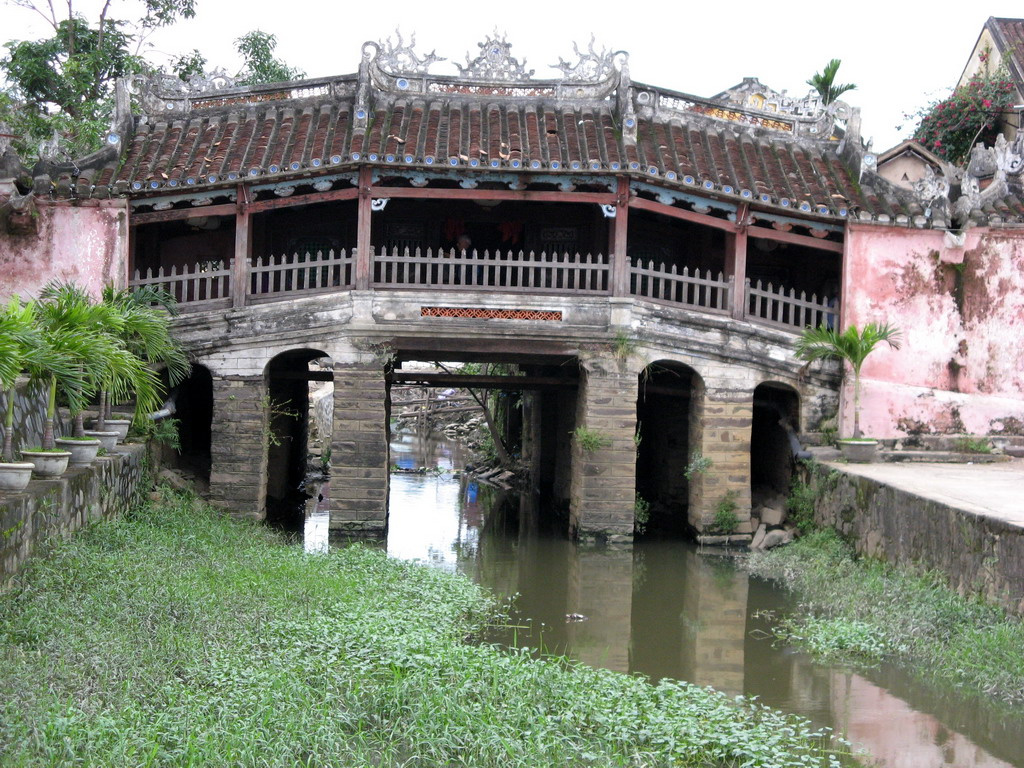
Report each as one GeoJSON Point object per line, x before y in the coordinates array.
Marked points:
{"type": "Point", "coordinates": [177, 637]}
{"type": "Point", "coordinates": [864, 611]}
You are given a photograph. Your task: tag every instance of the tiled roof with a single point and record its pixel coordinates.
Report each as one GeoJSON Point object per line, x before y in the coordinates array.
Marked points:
{"type": "Point", "coordinates": [748, 145]}
{"type": "Point", "coordinates": [1009, 37]}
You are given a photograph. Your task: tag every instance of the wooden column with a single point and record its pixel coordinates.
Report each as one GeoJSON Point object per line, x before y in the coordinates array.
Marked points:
{"type": "Point", "coordinates": [243, 248]}
{"type": "Point", "coordinates": [364, 229]}
{"type": "Point", "coordinates": [617, 239]}
{"type": "Point", "coordinates": [736, 263]}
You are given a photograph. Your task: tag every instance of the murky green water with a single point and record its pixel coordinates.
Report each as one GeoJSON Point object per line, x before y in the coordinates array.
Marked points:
{"type": "Point", "coordinates": [666, 609]}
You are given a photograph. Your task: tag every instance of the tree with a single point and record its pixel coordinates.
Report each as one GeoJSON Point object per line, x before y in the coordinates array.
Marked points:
{"type": "Point", "coordinates": [260, 66]}
{"type": "Point", "coordinates": [852, 346]}
{"type": "Point", "coordinates": [64, 83]}
{"type": "Point", "coordinates": [824, 83]}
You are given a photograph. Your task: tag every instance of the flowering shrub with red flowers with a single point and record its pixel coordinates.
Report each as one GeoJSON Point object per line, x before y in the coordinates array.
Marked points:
{"type": "Point", "coordinates": [950, 128]}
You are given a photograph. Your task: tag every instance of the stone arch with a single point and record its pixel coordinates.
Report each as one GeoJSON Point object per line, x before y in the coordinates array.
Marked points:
{"type": "Point", "coordinates": [774, 441]}
{"type": "Point", "coordinates": [296, 380]}
{"type": "Point", "coordinates": [192, 400]}
{"type": "Point", "coordinates": [669, 407]}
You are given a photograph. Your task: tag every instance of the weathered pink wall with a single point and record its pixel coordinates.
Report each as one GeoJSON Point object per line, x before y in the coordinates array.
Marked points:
{"type": "Point", "coordinates": [85, 243]}
{"type": "Point", "coordinates": [961, 311]}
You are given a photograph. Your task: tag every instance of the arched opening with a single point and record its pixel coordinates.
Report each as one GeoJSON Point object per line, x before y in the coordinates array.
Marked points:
{"type": "Point", "coordinates": [191, 408]}
{"type": "Point", "coordinates": [668, 439]}
{"type": "Point", "coordinates": [773, 442]}
{"type": "Point", "coordinates": [299, 413]}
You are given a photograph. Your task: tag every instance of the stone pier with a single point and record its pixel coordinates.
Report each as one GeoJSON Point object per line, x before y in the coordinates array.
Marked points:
{"type": "Point", "coordinates": [359, 449]}
{"type": "Point", "coordinates": [238, 448]}
{"type": "Point", "coordinates": [603, 486]}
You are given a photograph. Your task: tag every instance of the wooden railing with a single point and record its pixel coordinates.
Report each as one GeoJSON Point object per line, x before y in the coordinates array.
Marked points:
{"type": "Point", "coordinates": [514, 272]}
{"type": "Point", "coordinates": [659, 283]}
{"type": "Point", "coordinates": [300, 274]}
{"type": "Point", "coordinates": [203, 285]}
{"type": "Point", "coordinates": [208, 285]}
{"type": "Point", "coordinates": [778, 306]}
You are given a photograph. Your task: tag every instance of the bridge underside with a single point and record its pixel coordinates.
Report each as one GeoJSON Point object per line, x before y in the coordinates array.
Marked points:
{"type": "Point", "coordinates": [647, 381]}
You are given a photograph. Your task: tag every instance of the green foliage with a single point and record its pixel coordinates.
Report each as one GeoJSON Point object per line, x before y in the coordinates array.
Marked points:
{"type": "Point", "coordinates": [64, 84]}
{"type": "Point", "coordinates": [164, 431]}
{"type": "Point", "coordinates": [866, 610]}
{"type": "Point", "coordinates": [260, 66]}
{"type": "Point", "coordinates": [801, 502]}
{"type": "Point", "coordinates": [952, 126]}
{"type": "Point", "coordinates": [623, 346]}
{"type": "Point", "coordinates": [641, 513]}
{"type": "Point", "coordinates": [973, 445]}
{"type": "Point", "coordinates": [177, 636]}
{"type": "Point", "coordinates": [824, 83]}
{"type": "Point", "coordinates": [699, 464]}
{"type": "Point", "coordinates": [725, 513]}
{"type": "Point", "coordinates": [590, 440]}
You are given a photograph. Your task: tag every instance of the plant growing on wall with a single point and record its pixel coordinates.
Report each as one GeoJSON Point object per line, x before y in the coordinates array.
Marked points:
{"type": "Point", "coordinates": [590, 440]}
{"type": "Point", "coordinates": [852, 346]}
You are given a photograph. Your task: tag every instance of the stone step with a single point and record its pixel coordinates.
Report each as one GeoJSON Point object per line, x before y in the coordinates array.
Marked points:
{"type": "Point", "coordinates": [942, 457]}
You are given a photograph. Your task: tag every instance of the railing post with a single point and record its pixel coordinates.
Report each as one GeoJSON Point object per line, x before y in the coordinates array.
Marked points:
{"type": "Point", "coordinates": [364, 230]}
{"type": "Point", "coordinates": [736, 263]}
{"type": "Point", "coordinates": [243, 248]}
{"type": "Point", "coordinates": [617, 237]}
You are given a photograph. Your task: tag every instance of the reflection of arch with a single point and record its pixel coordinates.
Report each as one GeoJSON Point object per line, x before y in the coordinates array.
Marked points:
{"type": "Point", "coordinates": [773, 439]}
{"type": "Point", "coordinates": [290, 377]}
{"type": "Point", "coordinates": [193, 402]}
{"type": "Point", "coordinates": [670, 403]}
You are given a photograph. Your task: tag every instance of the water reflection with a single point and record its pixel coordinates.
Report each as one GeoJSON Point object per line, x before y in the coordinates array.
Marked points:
{"type": "Point", "coordinates": [664, 609]}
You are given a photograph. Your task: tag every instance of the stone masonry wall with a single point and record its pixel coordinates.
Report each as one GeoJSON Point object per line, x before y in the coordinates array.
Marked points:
{"type": "Point", "coordinates": [47, 508]}
{"type": "Point", "coordinates": [977, 555]}
{"type": "Point", "coordinates": [725, 440]}
{"type": "Point", "coordinates": [29, 414]}
{"type": "Point", "coordinates": [238, 480]}
{"type": "Point", "coordinates": [604, 481]}
{"type": "Point", "coordinates": [359, 449]}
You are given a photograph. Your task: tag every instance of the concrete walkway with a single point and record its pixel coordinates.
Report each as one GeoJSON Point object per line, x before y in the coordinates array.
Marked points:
{"type": "Point", "coordinates": [992, 490]}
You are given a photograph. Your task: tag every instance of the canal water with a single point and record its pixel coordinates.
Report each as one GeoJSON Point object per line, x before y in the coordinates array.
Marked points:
{"type": "Point", "coordinates": [669, 609]}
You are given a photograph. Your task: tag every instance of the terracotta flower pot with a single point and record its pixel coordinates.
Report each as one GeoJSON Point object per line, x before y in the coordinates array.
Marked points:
{"type": "Point", "coordinates": [47, 463]}
{"type": "Point", "coordinates": [14, 477]}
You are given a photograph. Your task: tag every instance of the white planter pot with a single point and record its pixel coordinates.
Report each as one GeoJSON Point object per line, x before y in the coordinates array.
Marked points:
{"type": "Point", "coordinates": [859, 451]}
{"type": "Point", "coordinates": [47, 463]}
{"type": "Point", "coordinates": [14, 477]}
{"type": "Point", "coordinates": [120, 426]}
{"type": "Point", "coordinates": [108, 440]}
{"type": "Point", "coordinates": [82, 451]}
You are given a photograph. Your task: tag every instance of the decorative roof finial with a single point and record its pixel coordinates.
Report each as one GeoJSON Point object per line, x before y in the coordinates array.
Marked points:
{"type": "Point", "coordinates": [591, 67]}
{"type": "Point", "coordinates": [399, 58]}
{"type": "Point", "coordinates": [495, 62]}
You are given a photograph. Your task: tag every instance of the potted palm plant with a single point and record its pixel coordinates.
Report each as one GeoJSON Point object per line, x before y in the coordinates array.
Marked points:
{"type": "Point", "coordinates": [852, 346]}
{"type": "Point", "coordinates": [18, 342]}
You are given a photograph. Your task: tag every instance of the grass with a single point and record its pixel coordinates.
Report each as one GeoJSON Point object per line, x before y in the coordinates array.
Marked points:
{"type": "Point", "coordinates": [863, 610]}
{"type": "Point", "coordinates": [178, 637]}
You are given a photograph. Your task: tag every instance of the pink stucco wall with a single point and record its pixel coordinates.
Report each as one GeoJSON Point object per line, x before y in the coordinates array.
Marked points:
{"type": "Point", "coordinates": [85, 243]}
{"type": "Point", "coordinates": [961, 311]}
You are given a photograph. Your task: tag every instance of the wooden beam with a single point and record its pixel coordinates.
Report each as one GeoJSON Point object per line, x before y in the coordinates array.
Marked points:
{"type": "Point", "coordinates": [181, 214]}
{"type": "Point", "coordinates": [619, 242]}
{"type": "Point", "coordinates": [331, 196]}
{"type": "Point", "coordinates": [736, 263]}
{"type": "Point", "coordinates": [470, 381]}
{"type": "Point", "coordinates": [681, 213]}
{"type": "Point", "coordinates": [364, 229]}
{"type": "Point", "coordinates": [243, 248]}
{"type": "Point", "coordinates": [794, 239]}
{"type": "Point", "coordinates": [529, 195]}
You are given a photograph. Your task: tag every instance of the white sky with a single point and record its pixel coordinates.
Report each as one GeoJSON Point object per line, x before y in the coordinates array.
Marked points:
{"type": "Point", "coordinates": [901, 55]}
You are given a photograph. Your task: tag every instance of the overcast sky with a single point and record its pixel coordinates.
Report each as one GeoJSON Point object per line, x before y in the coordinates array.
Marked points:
{"type": "Point", "coordinates": [901, 55]}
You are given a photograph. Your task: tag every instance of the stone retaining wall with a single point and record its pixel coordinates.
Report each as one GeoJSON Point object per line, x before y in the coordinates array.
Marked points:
{"type": "Point", "coordinates": [29, 414]}
{"type": "Point", "coordinates": [104, 489]}
{"type": "Point", "coordinates": [977, 555]}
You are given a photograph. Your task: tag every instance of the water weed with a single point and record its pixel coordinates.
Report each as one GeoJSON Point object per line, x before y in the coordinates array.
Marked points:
{"type": "Point", "coordinates": [178, 637]}
{"type": "Point", "coordinates": [863, 610]}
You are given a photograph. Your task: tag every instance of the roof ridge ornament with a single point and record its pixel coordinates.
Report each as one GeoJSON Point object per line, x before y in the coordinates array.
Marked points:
{"type": "Point", "coordinates": [591, 66]}
{"type": "Point", "coordinates": [399, 58]}
{"type": "Point", "coordinates": [495, 62]}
